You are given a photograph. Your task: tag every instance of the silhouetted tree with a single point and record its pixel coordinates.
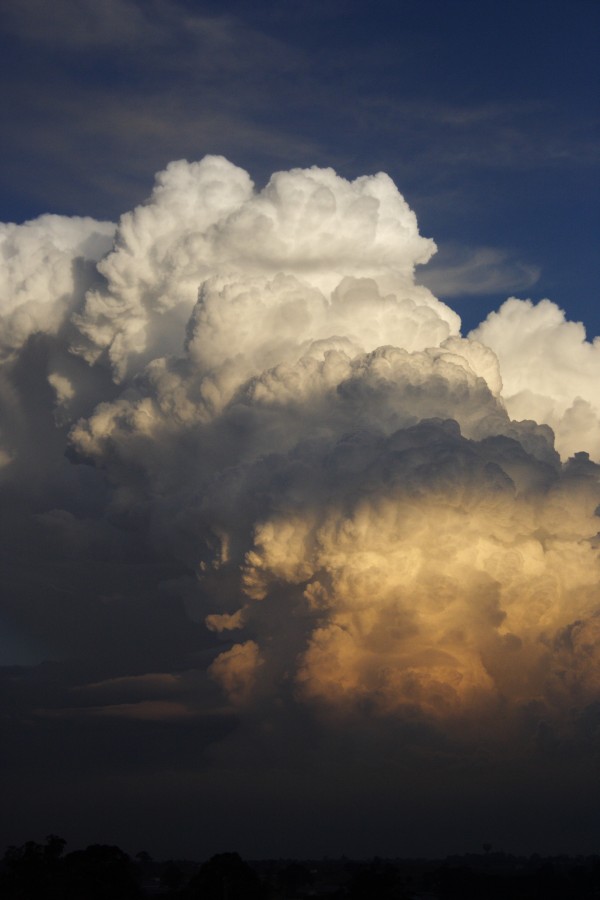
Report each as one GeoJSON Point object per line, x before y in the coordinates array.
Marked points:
{"type": "Point", "coordinates": [54, 848]}
{"type": "Point", "coordinates": [381, 881]}
{"type": "Point", "coordinates": [225, 877]}
{"type": "Point", "coordinates": [33, 870]}
{"type": "Point", "coordinates": [101, 872]}
{"type": "Point", "coordinates": [171, 876]}
{"type": "Point", "coordinates": [294, 876]}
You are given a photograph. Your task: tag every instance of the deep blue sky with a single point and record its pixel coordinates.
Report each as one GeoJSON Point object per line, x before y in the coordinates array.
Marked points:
{"type": "Point", "coordinates": [484, 113]}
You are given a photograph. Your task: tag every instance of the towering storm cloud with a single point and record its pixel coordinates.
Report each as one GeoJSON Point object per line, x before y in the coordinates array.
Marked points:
{"type": "Point", "coordinates": [383, 518]}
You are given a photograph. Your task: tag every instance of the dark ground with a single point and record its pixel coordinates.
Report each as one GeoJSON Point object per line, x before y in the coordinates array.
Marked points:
{"type": "Point", "coordinates": [104, 872]}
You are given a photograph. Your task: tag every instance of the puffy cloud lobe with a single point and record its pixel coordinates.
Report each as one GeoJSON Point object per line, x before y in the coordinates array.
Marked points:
{"type": "Point", "coordinates": [435, 584]}
{"type": "Point", "coordinates": [44, 273]}
{"type": "Point", "coordinates": [240, 329]}
{"type": "Point", "coordinates": [179, 414]}
{"type": "Point", "coordinates": [236, 670]}
{"type": "Point", "coordinates": [550, 372]}
{"type": "Point", "coordinates": [373, 505]}
{"type": "Point", "coordinates": [314, 222]}
{"type": "Point", "coordinates": [203, 219]}
{"type": "Point", "coordinates": [162, 253]}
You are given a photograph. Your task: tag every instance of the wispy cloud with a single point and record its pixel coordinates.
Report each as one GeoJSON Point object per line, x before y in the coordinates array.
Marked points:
{"type": "Point", "coordinates": [518, 135]}
{"type": "Point", "coordinates": [142, 83]}
{"type": "Point", "coordinates": [188, 84]}
{"type": "Point", "coordinates": [462, 271]}
{"type": "Point", "coordinates": [79, 24]}
{"type": "Point", "coordinates": [142, 710]}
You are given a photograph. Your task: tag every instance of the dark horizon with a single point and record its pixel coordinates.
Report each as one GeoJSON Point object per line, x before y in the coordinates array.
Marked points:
{"type": "Point", "coordinates": [104, 872]}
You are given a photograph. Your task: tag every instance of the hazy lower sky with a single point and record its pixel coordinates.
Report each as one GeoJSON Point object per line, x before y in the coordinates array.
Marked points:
{"type": "Point", "coordinates": [293, 560]}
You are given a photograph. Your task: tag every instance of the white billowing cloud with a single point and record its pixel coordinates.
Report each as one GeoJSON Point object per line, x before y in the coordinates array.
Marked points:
{"type": "Point", "coordinates": [375, 510]}
{"type": "Point", "coordinates": [332, 388]}
{"type": "Point", "coordinates": [162, 254]}
{"type": "Point", "coordinates": [42, 273]}
{"type": "Point", "coordinates": [203, 220]}
{"type": "Point", "coordinates": [241, 327]}
{"type": "Point", "coordinates": [316, 224]}
{"type": "Point", "coordinates": [550, 372]}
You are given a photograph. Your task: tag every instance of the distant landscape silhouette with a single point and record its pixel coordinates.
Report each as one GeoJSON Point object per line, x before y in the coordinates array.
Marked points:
{"type": "Point", "coordinates": [36, 871]}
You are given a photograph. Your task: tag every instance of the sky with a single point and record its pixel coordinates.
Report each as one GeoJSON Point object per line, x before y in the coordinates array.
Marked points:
{"type": "Point", "coordinates": [299, 426]}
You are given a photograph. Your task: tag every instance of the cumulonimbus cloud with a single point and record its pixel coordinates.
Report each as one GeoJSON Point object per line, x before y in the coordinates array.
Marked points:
{"type": "Point", "coordinates": [385, 517]}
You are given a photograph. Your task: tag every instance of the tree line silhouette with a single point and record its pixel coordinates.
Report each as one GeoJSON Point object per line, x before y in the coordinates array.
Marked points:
{"type": "Point", "coordinates": [105, 872]}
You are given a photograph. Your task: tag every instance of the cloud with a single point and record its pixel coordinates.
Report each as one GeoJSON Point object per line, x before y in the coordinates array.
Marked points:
{"type": "Point", "coordinates": [163, 683]}
{"type": "Point", "coordinates": [459, 271]}
{"type": "Point", "coordinates": [79, 25]}
{"type": "Point", "coordinates": [549, 370]}
{"type": "Point", "coordinates": [46, 270]}
{"type": "Point", "coordinates": [143, 711]}
{"type": "Point", "coordinates": [188, 80]}
{"type": "Point", "coordinates": [249, 390]}
{"type": "Point", "coordinates": [519, 135]}
{"type": "Point", "coordinates": [203, 220]}
{"type": "Point", "coordinates": [236, 670]}
{"type": "Point", "coordinates": [428, 587]}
